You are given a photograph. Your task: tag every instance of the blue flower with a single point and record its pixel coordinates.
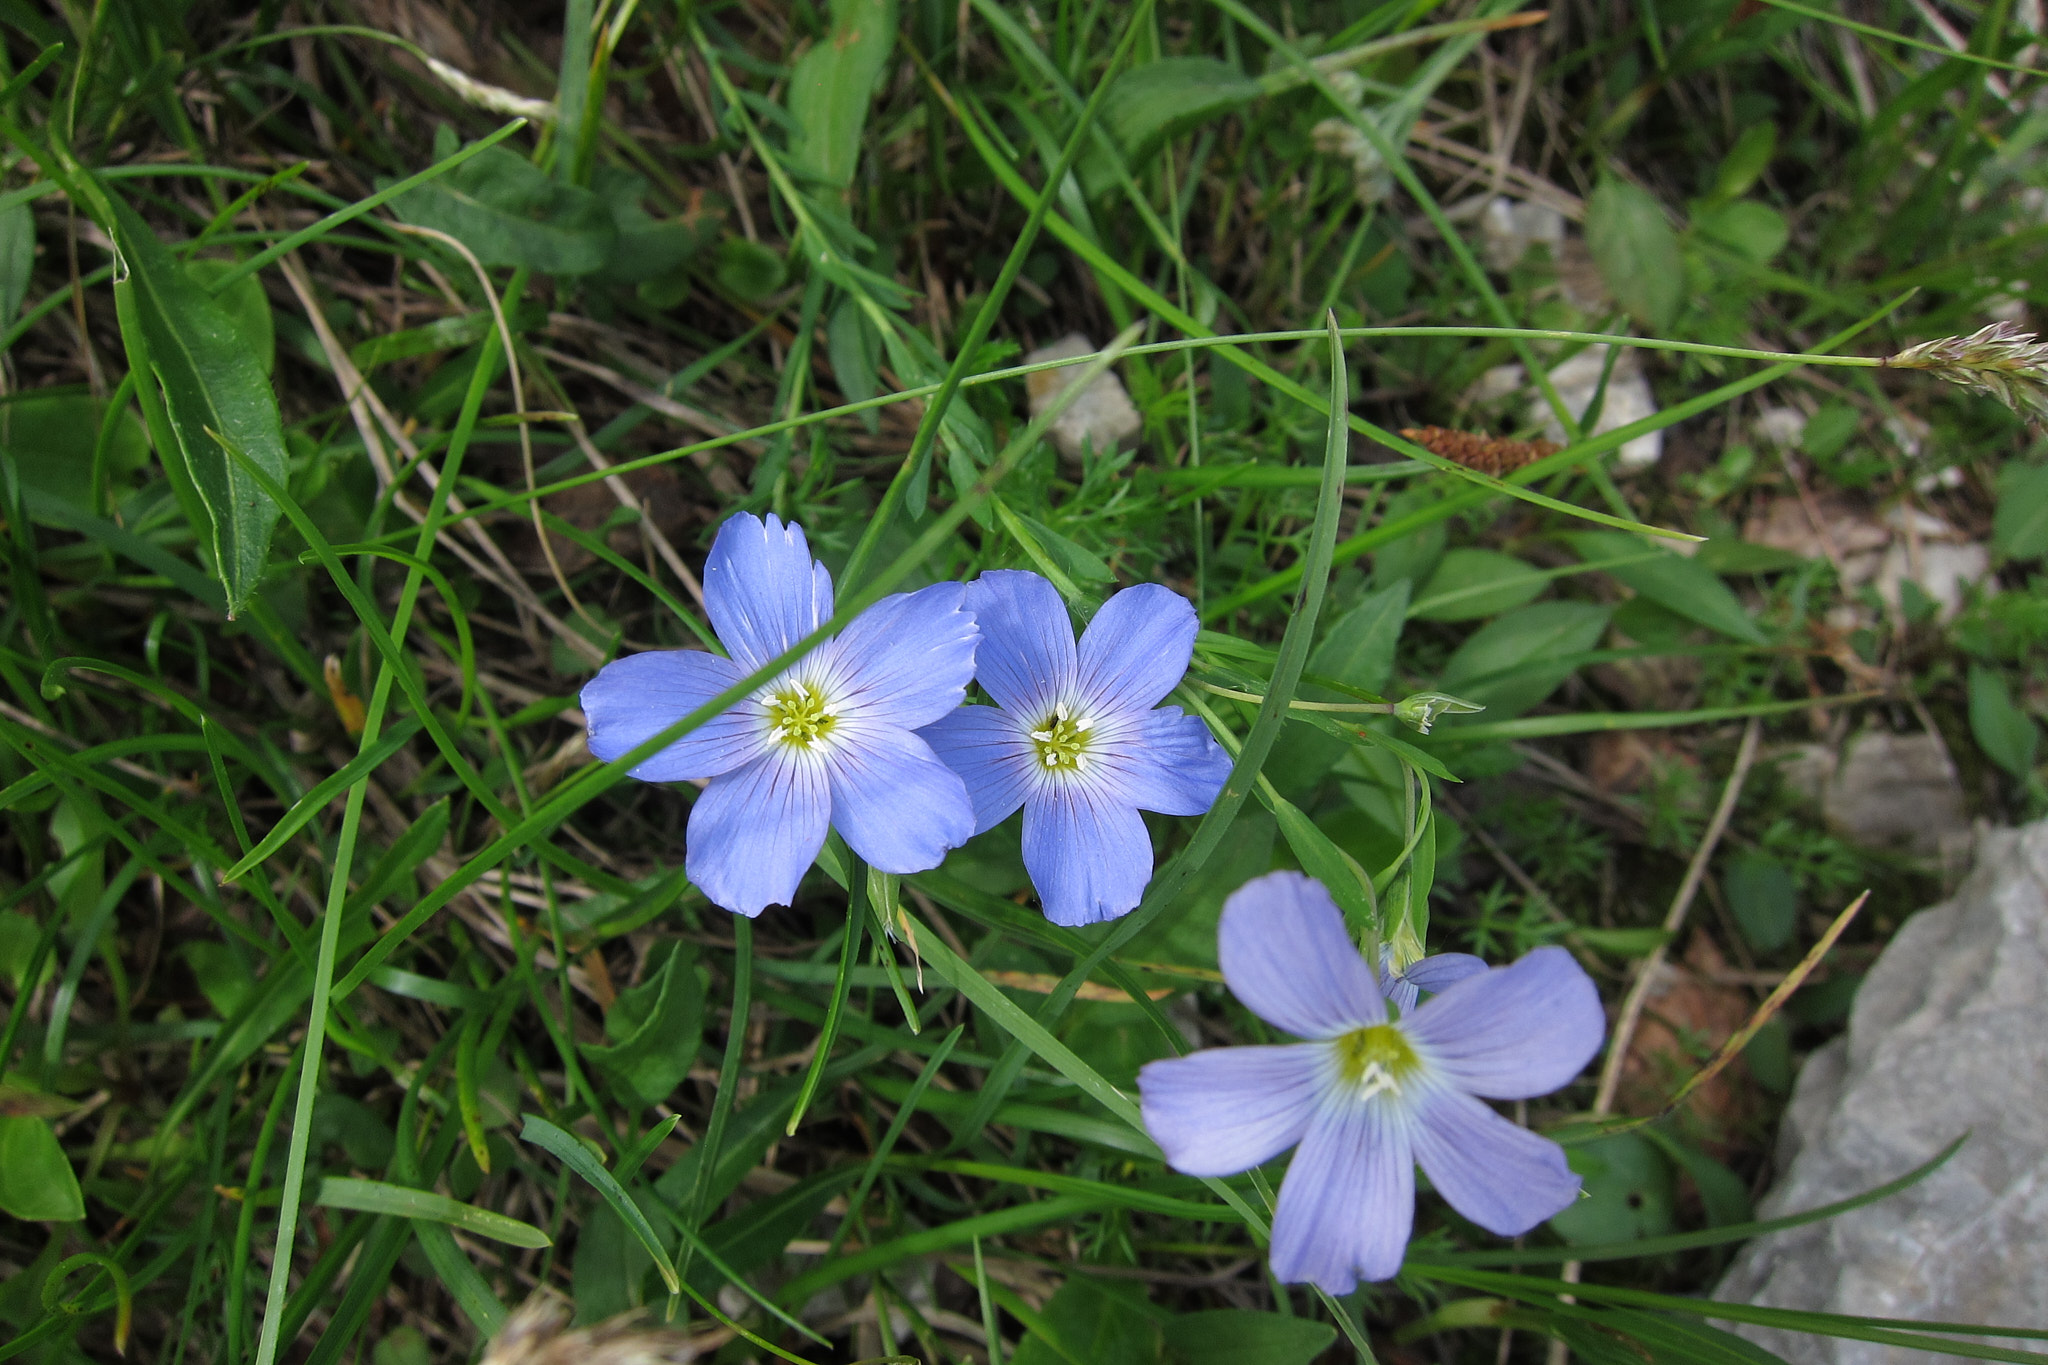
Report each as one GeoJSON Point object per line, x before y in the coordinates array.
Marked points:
{"type": "Point", "coordinates": [831, 741]}
{"type": "Point", "coordinates": [1075, 739]}
{"type": "Point", "coordinates": [1371, 1094]}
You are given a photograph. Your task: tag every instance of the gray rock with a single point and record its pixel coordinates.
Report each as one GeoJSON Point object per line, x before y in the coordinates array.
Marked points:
{"type": "Point", "coordinates": [1949, 1035]}
{"type": "Point", "coordinates": [1899, 793]}
{"type": "Point", "coordinates": [1102, 416]}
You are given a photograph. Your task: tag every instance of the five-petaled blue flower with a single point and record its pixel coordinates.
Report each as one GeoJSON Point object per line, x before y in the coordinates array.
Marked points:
{"type": "Point", "coordinates": [1078, 739]}
{"type": "Point", "coordinates": [830, 741]}
{"type": "Point", "coordinates": [1372, 1093]}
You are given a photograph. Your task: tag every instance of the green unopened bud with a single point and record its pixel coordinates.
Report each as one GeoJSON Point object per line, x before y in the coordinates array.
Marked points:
{"type": "Point", "coordinates": [1422, 709]}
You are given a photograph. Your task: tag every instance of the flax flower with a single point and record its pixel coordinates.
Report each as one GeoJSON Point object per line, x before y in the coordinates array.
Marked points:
{"type": "Point", "coordinates": [829, 742]}
{"type": "Point", "coordinates": [1373, 1092]}
{"type": "Point", "coordinates": [1078, 739]}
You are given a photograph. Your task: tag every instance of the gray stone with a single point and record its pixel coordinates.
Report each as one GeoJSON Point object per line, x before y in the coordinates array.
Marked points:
{"type": "Point", "coordinates": [1949, 1036]}
{"type": "Point", "coordinates": [1899, 793]}
{"type": "Point", "coordinates": [1102, 416]}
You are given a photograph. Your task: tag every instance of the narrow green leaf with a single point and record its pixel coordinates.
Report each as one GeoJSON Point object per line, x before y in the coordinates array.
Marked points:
{"type": "Point", "coordinates": [580, 1159]}
{"type": "Point", "coordinates": [374, 1196]}
{"type": "Point", "coordinates": [1470, 583]}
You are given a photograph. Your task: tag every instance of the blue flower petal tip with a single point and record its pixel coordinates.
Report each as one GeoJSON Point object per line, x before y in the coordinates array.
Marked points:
{"type": "Point", "coordinates": [1078, 739]}
{"type": "Point", "coordinates": [829, 742]}
{"type": "Point", "coordinates": [1371, 1093]}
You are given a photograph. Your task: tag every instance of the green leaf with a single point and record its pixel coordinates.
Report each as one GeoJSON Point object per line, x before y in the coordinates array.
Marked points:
{"type": "Point", "coordinates": [1504, 665]}
{"type": "Point", "coordinates": [1756, 232]}
{"type": "Point", "coordinates": [580, 1159]}
{"type": "Point", "coordinates": [17, 258]}
{"type": "Point", "coordinates": [2006, 734]}
{"type": "Point", "coordinates": [1357, 651]}
{"type": "Point", "coordinates": [374, 1196]}
{"type": "Point", "coordinates": [1636, 252]}
{"type": "Point", "coordinates": [1092, 1322]}
{"type": "Point", "coordinates": [1470, 583]}
{"type": "Point", "coordinates": [36, 1181]}
{"type": "Point", "coordinates": [1746, 160]}
{"type": "Point", "coordinates": [510, 212]}
{"type": "Point", "coordinates": [1627, 1191]}
{"type": "Point", "coordinates": [749, 270]}
{"type": "Point", "coordinates": [645, 247]}
{"type": "Point", "coordinates": [2019, 526]}
{"type": "Point", "coordinates": [246, 305]}
{"type": "Point", "coordinates": [1763, 898]}
{"type": "Point", "coordinates": [1673, 582]}
{"type": "Point", "coordinates": [52, 438]}
{"type": "Point", "coordinates": [832, 86]}
{"type": "Point", "coordinates": [1320, 857]}
{"type": "Point", "coordinates": [1151, 103]}
{"type": "Point", "coordinates": [1727, 555]}
{"type": "Point", "coordinates": [214, 396]}
{"type": "Point", "coordinates": [1240, 1336]}
{"type": "Point", "coordinates": [655, 1027]}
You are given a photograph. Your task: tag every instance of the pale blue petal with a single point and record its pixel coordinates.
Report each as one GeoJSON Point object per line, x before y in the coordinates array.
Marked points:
{"type": "Point", "coordinates": [907, 660]}
{"type": "Point", "coordinates": [1348, 1202]}
{"type": "Point", "coordinates": [1514, 1032]}
{"type": "Point", "coordinates": [753, 832]}
{"type": "Point", "coordinates": [992, 755]}
{"type": "Point", "coordinates": [1089, 856]}
{"type": "Point", "coordinates": [762, 590]}
{"type": "Point", "coordinates": [1164, 761]}
{"type": "Point", "coordinates": [633, 699]}
{"type": "Point", "coordinates": [1137, 648]}
{"type": "Point", "coordinates": [1286, 955]}
{"type": "Point", "coordinates": [1231, 1108]}
{"type": "Point", "coordinates": [895, 803]}
{"type": "Point", "coordinates": [1440, 971]}
{"type": "Point", "coordinates": [1026, 659]}
{"type": "Point", "coordinates": [1501, 1176]}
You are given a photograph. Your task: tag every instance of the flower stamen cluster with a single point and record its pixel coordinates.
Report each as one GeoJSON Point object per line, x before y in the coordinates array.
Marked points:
{"type": "Point", "coordinates": [1375, 1060]}
{"type": "Point", "coordinates": [799, 717]}
{"type": "Point", "coordinates": [1062, 740]}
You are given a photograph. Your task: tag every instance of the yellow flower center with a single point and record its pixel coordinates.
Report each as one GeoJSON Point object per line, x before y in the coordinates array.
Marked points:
{"type": "Point", "coordinates": [1062, 741]}
{"type": "Point", "coordinates": [1376, 1059]}
{"type": "Point", "coordinates": [797, 716]}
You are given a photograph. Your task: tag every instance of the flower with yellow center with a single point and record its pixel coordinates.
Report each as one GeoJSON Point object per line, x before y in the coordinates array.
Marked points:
{"type": "Point", "coordinates": [1370, 1094]}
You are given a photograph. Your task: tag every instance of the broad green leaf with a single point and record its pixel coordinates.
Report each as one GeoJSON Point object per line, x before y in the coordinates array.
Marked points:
{"type": "Point", "coordinates": [1093, 1322]}
{"type": "Point", "coordinates": [1727, 555]}
{"type": "Point", "coordinates": [1470, 583]}
{"type": "Point", "coordinates": [1673, 582]}
{"type": "Point", "coordinates": [17, 258]}
{"type": "Point", "coordinates": [645, 247]}
{"type": "Point", "coordinates": [1756, 232]}
{"type": "Point", "coordinates": [1628, 1191]}
{"type": "Point", "coordinates": [52, 438]}
{"type": "Point", "coordinates": [1764, 899]}
{"type": "Point", "coordinates": [1414, 555]}
{"type": "Point", "coordinates": [1636, 252]}
{"type": "Point", "coordinates": [1152, 102]}
{"type": "Point", "coordinates": [214, 396]}
{"type": "Point", "coordinates": [832, 86]}
{"type": "Point", "coordinates": [1320, 857]}
{"type": "Point", "coordinates": [2019, 527]}
{"type": "Point", "coordinates": [442, 334]}
{"type": "Point", "coordinates": [655, 1027]}
{"type": "Point", "coordinates": [2006, 734]}
{"type": "Point", "coordinates": [854, 349]}
{"type": "Point", "coordinates": [36, 1181]}
{"type": "Point", "coordinates": [510, 212]}
{"type": "Point", "coordinates": [1723, 1194]}
{"type": "Point", "coordinates": [374, 1196]}
{"type": "Point", "coordinates": [1240, 1336]}
{"type": "Point", "coordinates": [1505, 666]}
{"type": "Point", "coordinates": [1357, 651]}
{"type": "Point", "coordinates": [751, 271]}
{"type": "Point", "coordinates": [246, 305]}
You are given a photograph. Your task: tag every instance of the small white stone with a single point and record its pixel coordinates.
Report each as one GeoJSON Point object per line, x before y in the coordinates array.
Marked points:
{"type": "Point", "coordinates": [1780, 427]}
{"type": "Point", "coordinates": [1102, 417]}
{"type": "Point", "coordinates": [1508, 228]}
{"type": "Point", "coordinates": [1628, 400]}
